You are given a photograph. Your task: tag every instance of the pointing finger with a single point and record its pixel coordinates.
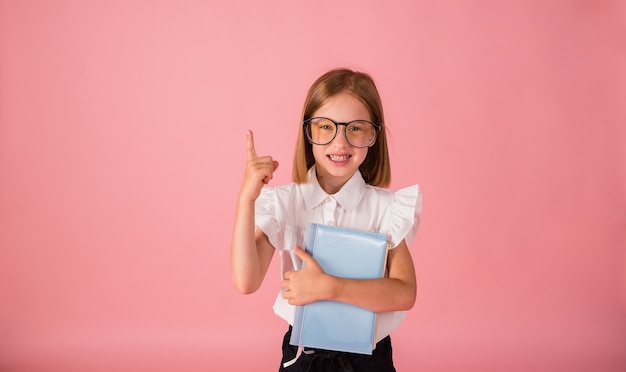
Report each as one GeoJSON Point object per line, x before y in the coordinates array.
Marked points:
{"type": "Point", "coordinates": [250, 145]}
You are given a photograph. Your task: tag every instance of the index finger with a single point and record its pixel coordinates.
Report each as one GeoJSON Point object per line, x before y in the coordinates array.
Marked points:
{"type": "Point", "coordinates": [250, 145]}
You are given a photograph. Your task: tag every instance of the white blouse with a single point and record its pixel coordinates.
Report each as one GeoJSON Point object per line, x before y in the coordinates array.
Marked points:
{"type": "Point", "coordinates": [283, 213]}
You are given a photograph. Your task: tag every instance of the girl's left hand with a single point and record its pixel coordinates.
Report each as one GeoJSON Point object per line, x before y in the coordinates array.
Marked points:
{"type": "Point", "coordinates": [308, 284]}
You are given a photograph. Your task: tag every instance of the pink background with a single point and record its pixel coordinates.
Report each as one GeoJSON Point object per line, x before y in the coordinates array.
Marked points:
{"type": "Point", "coordinates": [122, 146]}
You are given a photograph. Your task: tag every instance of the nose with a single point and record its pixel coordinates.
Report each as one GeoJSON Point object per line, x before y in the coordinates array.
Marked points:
{"type": "Point", "coordinates": [341, 138]}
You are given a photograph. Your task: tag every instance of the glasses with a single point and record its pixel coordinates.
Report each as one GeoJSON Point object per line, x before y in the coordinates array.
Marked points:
{"type": "Point", "coordinates": [359, 133]}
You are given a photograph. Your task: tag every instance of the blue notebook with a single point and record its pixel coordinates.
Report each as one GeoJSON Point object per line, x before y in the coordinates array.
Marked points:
{"type": "Point", "coordinates": [335, 325]}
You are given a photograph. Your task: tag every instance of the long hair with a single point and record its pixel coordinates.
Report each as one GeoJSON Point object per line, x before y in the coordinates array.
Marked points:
{"type": "Point", "coordinates": [375, 169]}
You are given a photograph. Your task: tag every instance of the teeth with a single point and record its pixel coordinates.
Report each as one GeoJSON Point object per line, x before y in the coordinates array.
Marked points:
{"type": "Point", "coordinates": [339, 158]}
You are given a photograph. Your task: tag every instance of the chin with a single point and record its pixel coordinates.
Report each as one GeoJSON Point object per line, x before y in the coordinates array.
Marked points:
{"type": "Point", "coordinates": [341, 173]}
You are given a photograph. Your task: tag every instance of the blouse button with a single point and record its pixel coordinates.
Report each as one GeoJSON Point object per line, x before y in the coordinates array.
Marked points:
{"type": "Point", "coordinates": [331, 223]}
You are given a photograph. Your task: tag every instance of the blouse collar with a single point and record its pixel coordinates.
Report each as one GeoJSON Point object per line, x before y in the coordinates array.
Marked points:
{"type": "Point", "coordinates": [348, 196]}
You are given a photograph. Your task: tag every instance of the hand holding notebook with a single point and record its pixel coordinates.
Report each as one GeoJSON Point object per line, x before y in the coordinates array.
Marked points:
{"type": "Point", "coordinates": [303, 287]}
{"type": "Point", "coordinates": [335, 325]}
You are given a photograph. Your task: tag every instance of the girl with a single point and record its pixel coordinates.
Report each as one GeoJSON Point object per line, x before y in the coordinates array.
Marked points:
{"type": "Point", "coordinates": [341, 165]}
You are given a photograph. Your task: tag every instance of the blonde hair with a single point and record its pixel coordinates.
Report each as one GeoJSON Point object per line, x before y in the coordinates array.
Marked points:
{"type": "Point", "coordinates": [375, 169]}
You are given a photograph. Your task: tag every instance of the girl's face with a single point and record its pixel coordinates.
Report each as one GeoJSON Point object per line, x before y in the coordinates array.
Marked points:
{"type": "Point", "coordinates": [336, 162]}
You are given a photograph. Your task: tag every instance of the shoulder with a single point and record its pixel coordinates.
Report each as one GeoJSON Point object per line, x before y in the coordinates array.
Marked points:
{"type": "Point", "coordinates": [404, 214]}
{"type": "Point", "coordinates": [272, 207]}
{"type": "Point", "coordinates": [280, 197]}
{"type": "Point", "coordinates": [279, 190]}
{"type": "Point", "coordinates": [378, 191]}
{"type": "Point", "coordinates": [377, 196]}
{"type": "Point", "coordinates": [410, 197]}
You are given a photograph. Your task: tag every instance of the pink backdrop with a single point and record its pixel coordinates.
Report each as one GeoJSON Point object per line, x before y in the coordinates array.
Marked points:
{"type": "Point", "coordinates": [122, 146]}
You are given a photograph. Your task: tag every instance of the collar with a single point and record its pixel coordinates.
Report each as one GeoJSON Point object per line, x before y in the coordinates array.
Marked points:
{"type": "Point", "coordinates": [348, 196]}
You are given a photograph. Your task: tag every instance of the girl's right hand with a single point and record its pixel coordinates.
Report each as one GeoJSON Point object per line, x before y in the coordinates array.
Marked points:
{"type": "Point", "coordinates": [259, 171]}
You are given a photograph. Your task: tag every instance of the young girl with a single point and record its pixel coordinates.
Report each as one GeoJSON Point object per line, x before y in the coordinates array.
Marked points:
{"type": "Point", "coordinates": [341, 165]}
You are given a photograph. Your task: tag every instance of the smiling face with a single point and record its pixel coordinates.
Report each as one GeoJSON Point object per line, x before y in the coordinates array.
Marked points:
{"type": "Point", "coordinates": [336, 162]}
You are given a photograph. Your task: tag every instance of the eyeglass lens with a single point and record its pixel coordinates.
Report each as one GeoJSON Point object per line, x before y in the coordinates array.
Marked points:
{"type": "Point", "coordinates": [322, 131]}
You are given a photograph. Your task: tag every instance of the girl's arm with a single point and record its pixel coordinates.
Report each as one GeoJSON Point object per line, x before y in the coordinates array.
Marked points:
{"type": "Point", "coordinates": [394, 293]}
{"type": "Point", "coordinates": [251, 251]}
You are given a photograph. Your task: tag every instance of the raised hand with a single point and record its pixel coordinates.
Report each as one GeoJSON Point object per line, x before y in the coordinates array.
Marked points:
{"type": "Point", "coordinates": [259, 171]}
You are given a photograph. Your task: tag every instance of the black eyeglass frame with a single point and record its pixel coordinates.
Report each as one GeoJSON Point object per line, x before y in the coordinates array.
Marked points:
{"type": "Point", "coordinates": [305, 122]}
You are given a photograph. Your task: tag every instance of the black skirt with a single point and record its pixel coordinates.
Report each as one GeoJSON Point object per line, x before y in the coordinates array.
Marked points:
{"type": "Point", "coordinates": [330, 361]}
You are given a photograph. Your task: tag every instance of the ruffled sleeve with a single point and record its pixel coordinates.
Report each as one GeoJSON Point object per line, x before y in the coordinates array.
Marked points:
{"type": "Point", "coordinates": [266, 214]}
{"type": "Point", "coordinates": [404, 215]}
